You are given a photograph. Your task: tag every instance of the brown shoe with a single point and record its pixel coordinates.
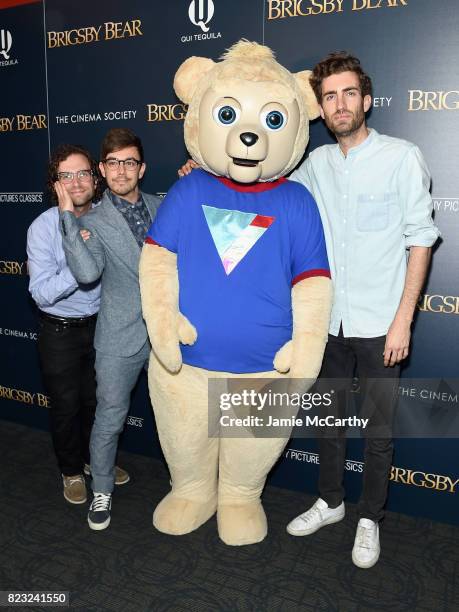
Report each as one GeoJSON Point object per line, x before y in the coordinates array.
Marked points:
{"type": "Point", "coordinates": [74, 489]}
{"type": "Point", "coordinates": [121, 476]}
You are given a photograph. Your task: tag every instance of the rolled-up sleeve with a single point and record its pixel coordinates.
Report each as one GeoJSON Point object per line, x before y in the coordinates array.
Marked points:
{"type": "Point", "coordinates": [414, 183]}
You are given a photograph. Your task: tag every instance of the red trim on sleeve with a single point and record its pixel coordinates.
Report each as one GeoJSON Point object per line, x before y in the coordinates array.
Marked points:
{"type": "Point", "coordinates": [309, 274]}
{"type": "Point", "coordinates": [149, 240]}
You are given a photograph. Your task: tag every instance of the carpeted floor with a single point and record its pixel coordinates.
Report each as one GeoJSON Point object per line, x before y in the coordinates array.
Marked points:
{"type": "Point", "coordinates": [46, 544]}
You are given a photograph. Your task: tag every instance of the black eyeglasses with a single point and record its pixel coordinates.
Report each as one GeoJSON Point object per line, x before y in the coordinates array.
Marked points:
{"type": "Point", "coordinates": [129, 164]}
{"type": "Point", "coordinates": [67, 177]}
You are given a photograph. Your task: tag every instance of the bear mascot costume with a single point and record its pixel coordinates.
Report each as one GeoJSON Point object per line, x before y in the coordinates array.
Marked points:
{"type": "Point", "coordinates": [235, 282]}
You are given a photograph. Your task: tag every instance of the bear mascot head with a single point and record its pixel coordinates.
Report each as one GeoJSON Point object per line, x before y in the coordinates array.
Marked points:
{"type": "Point", "coordinates": [248, 116]}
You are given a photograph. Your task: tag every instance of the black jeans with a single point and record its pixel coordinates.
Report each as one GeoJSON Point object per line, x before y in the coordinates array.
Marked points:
{"type": "Point", "coordinates": [67, 359]}
{"type": "Point", "coordinates": [343, 358]}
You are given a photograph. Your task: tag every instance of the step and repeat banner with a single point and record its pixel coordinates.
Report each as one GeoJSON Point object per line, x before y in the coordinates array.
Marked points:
{"type": "Point", "coordinates": [70, 70]}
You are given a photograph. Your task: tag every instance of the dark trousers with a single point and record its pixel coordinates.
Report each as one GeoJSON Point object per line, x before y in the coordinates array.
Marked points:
{"type": "Point", "coordinates": [343, 358]}
{"type": "Point", "coordinates": [67, 359]}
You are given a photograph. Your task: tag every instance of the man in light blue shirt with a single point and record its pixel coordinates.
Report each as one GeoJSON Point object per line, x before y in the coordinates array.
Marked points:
{"type": "Point", "coordinates": [68, 314]}
{"type": "Point", "coordinates": [373, 196]}
{"type": "Point", "coordinates": [375, 204]}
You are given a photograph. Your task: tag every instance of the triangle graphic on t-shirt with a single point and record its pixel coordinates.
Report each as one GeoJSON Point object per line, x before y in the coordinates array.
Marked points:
{"type": "Point", "coordinates": [234, 233]}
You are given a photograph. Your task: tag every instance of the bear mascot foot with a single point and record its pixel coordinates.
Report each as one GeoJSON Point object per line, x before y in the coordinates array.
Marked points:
{"type": "Point", "coordinates": [239, 525]}
{"type": "Point", "coordinates": [177, 515]}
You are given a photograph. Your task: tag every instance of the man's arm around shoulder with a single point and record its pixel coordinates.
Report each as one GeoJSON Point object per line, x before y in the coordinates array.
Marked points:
{"type": "Point", "coordinates": [85, 258]}
{"type": "Point", "coordinates": [302, 174]}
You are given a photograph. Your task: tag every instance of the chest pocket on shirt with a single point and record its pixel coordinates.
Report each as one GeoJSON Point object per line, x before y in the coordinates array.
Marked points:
{"type": "Point", "coordinates": [373, 211]}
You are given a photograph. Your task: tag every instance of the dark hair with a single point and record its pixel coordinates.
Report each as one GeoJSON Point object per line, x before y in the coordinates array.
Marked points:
{"type": "Point", "coordinates": [335, 63]}
{"type": "Point", "coordinates": [120, 138]}
{"type": "Point", "coordinates": [60, 154]}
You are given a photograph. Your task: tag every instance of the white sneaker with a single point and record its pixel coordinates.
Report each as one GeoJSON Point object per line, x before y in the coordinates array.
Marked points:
{"type": "Point", "coordinates": [366, 544]}
{"type": "Point", "coordinates": [316, 517]}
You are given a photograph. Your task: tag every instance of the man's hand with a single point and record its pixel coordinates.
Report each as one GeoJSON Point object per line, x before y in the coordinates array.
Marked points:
{"type": "Point", "coordinates": [397, 342]}
{"type": "Point", "coordinates": [85, 234]}
{"type": "Point", "coordinates": [187, 168]}
{"type": "Point", "coordinates": [63, 197]}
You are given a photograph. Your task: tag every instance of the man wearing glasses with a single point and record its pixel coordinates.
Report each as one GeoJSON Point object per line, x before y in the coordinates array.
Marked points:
{"type": "Point", "coordinates": [68, 313]}
{"type": "Point", "coordinates": [117, 228]}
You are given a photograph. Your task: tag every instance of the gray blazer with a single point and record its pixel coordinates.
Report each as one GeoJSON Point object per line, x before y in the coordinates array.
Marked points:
{"type": "Point", "coordinates": [113, 254]}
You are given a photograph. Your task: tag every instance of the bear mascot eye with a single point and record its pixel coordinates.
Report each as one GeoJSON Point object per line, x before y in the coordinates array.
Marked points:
{"type": "Point", "coordinates": [273, 120]}
{"type": "Point", "coordinates": [226, 115]}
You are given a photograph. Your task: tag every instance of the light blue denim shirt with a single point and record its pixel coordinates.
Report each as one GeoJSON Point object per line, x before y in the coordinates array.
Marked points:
{"type": "Point", "coordinates": [375, 204]}
{"type": "Point", "coordinates": [52, 285]}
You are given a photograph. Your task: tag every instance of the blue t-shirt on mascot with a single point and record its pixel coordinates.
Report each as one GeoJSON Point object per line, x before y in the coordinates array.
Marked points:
{"type": "Point", "coordinates": [240, 249]}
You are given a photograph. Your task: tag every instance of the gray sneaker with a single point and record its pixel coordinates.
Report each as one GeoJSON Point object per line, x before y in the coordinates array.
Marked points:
{"type": "Point", "coordinates": [99, 511]}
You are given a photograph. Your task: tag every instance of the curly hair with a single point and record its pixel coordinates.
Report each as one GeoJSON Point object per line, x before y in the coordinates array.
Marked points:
{"type": "Point", "coordinates": [335, 63]}
{"type": "Point", "coordinates": [61, 154]}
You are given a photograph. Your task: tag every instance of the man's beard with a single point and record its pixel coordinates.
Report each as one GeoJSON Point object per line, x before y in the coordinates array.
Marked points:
{"type": "Point", "coordinates": [81, 204]}
{"type": "Point", "coordinates": [347, 129]}
{"type": "Point", "coordinates": [123, 188]}
{"type": "Point", "coordinates": [82, 201]}
{"type": "Point", "coordinates": [122, 191]}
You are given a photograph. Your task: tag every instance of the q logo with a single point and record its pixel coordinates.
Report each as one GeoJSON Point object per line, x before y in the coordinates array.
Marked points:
{"type": "Point", "coordinates": [196, 13]}
{"type": "Point", "coordinates": [6, 41]}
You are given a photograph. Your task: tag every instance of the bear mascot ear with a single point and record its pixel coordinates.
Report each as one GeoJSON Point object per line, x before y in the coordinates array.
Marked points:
{"type": "Point", "coordinates": [188, 76]}
{"type": "Point", "coordinates": [309, 97]}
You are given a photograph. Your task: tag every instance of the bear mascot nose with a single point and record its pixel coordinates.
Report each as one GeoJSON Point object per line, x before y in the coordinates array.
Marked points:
{"type": "Point", "coordinates": [248, 138]}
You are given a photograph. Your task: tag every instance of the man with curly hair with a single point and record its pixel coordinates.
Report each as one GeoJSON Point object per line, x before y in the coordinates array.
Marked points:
{"type": "Point", "coordinates": [68, 314]}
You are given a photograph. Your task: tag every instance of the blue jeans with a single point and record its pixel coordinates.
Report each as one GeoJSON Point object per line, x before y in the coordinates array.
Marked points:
{"type": "Point", "coordinates": [116, 378]}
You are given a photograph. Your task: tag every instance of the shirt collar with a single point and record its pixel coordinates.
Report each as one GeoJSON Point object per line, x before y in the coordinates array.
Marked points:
{"type": "Point", "coordinates": [250, 187]}
{"type": "Point", "coordinates": [120, 202]}
{"type": "Point", "coordinates": [372, 135]}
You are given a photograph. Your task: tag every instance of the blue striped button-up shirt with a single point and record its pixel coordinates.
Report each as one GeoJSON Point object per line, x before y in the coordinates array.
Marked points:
{"type": "Point", "coordinates": [52, 285]}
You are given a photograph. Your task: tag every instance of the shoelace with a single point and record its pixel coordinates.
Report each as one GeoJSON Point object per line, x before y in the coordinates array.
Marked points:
{"type": "Point", "coordinates": [100, 502]}
{"type": "Point", "coordinates": [310, 514]}
{"type": "Point", "coordinates": [70, 481]}
{"type": "Point", "coordinates": [363, 537]}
